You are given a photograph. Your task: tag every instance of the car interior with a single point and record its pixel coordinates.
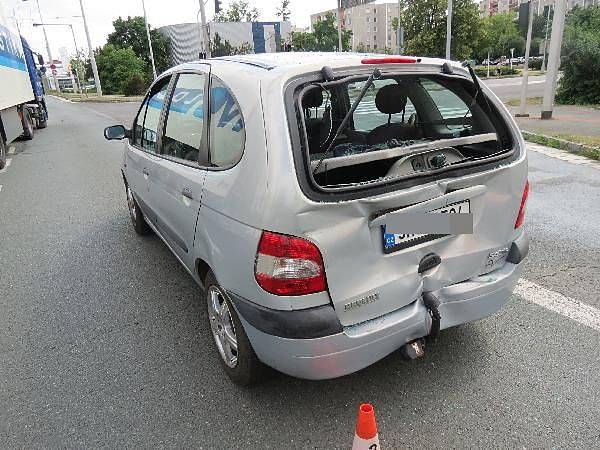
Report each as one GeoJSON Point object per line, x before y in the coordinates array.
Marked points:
{"type": "Point", "coordinates": [396, 112]}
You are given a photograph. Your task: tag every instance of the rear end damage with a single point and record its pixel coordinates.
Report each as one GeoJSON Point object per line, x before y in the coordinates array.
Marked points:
{"type": "Point", "coordinates": [389, 286]}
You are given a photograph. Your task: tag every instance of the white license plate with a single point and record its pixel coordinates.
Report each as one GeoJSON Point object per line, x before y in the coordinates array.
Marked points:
{"type": "Point", "coordinates": [393, 242]}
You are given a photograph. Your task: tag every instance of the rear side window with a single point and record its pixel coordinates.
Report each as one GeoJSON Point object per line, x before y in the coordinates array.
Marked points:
{"type": "Point", "coordinates": [185, 120]}
{"type": "Point", "coordinates": [447, 102]}
{"type": "Point", "coordinates": [146, 128]}
{"type": "Point", "coordinates": [227, 129]}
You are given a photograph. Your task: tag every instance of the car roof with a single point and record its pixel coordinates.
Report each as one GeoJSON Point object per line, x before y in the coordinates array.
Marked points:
{"type": "Point", "coordinates": [287, 64]}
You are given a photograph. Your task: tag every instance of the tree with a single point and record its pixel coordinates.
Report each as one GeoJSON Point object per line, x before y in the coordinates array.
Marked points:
{"type": "Point", "coordinates": [499, 33]}
{"type": "Point", "coordinates": [424, 23]}
{"type": "Point", "coordinates": [324, 37]}
{"type": "Point", "coordinates": [238, 11]}
{"type": "Point", "coordinates": [116, 67]}
{"type": "Point", "coordinates": [131, 33]}
{"type": "Point", "coordinates": [581, 57]}
{"type": "Point", "coordinates": [284, 10]}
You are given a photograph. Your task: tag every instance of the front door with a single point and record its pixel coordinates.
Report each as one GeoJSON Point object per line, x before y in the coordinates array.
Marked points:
{"type": "Point", "coordinates": [143, 145]}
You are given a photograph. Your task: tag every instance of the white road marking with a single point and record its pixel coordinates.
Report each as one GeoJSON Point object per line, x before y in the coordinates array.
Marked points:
{"type": "Point", "coordinates": [11, 150]}
{"type": "Point", "coordinates": [8, 161]}
{"type": "Point", "coordinates": [584, 314]}
{"type": "Point", "coordinates": [563, 155]}
{"type": "Point", "coordinates": [0, 188]}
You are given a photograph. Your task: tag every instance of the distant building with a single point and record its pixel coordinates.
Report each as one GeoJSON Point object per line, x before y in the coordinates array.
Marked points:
{"type": "Point", "coordinates": [371, 25]}
{"type": "Point", "coordinates": [259, 37]}
{"type": "Point", "coordinates": [489, 8]}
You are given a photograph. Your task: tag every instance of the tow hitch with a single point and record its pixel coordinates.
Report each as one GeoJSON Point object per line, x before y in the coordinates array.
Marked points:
{"type": "Point", "coordinates": [432, 303]}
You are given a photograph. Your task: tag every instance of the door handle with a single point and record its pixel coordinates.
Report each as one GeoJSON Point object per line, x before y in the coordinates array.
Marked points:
{"type": "Point", "coordinates": [187, 192]}
{"type": "Point", "coordinates": [145, 172]}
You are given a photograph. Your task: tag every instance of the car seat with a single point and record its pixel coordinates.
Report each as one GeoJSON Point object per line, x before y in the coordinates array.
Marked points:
{"type": "Point", "coordinates": [391, 99]}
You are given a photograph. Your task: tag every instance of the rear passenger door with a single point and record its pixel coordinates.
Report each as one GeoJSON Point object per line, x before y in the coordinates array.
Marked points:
{"type": "Point", "coordinates": [179, 168]}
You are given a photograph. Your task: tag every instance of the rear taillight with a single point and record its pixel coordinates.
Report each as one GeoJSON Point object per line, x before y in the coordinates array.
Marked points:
{"type": "Point", "coordinates": [521, 215]}
{"type": "Point", "coordinates": [288, 265]}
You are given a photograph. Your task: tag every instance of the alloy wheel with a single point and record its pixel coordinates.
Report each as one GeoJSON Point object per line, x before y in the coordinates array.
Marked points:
{"type": "Point", "coordinates": [222, 326]}
{"type": "Point", "coordinates": [131, 205]}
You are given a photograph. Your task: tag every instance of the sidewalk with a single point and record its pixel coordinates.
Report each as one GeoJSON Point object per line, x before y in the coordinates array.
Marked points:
{"type": "Point", "coordinates": [579, 121]}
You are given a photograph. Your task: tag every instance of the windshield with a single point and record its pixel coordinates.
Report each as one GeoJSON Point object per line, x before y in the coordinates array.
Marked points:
{"type": "Point", "coordinates": [403, 125]}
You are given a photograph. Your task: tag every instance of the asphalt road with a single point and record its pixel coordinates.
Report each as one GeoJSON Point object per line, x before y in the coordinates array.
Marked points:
{"type": "Point", "coordinates": [510, 88]}
{"type": "Point", "coordinates": [103, 340]}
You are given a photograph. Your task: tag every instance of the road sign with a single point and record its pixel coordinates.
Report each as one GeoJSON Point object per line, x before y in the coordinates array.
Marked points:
{"type": "Point", "coordinates": [53, 67]}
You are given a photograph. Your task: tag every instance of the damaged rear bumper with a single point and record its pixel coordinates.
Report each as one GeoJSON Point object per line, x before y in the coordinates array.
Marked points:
{"type": "Point", "coordinates": [348, 349]}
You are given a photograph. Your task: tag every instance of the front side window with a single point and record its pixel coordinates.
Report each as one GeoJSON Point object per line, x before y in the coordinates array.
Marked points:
{"type": "Point", "coordinates": [227, 129]}
{"type": "Point", "coordinates": [185, 119]}
{"type": "Point", "coordinates": [146, 124]}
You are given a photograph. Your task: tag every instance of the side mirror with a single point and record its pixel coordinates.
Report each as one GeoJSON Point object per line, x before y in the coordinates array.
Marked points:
{"type": "Point", "coordinates": [116, 132]}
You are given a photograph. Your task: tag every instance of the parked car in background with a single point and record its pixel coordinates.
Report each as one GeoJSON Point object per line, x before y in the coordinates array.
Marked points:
{"type": "Point", "coordinates": [329, 226]}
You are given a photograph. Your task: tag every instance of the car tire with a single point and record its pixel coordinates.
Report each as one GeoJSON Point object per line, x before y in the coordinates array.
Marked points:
{"type": "Point", "coordinates": [28, 125]}
{"type": "Point", "coordinates": [241, 364]}
{"type": "Point", "coordinates": [135, 213]}
{"type": "Point", "coordinates": [2, 154]}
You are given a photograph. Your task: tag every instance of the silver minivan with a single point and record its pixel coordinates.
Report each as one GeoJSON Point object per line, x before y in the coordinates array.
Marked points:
{"type": "Point", "coordinates": [334, 207]}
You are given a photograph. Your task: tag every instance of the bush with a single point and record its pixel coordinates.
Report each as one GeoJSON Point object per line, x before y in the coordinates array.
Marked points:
{"type": "Point", "coordinates": [135, 85]}
{"type": "Point", "coordinates": [504, 70]}
{"type": "Point", "coordinates": [535, 64]}
{"type": "Point", "coordinates": [581, 58]}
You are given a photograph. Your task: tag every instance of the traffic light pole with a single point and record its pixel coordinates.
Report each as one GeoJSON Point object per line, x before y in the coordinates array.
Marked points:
{"type": "Point", "coordinates": [205, 37]}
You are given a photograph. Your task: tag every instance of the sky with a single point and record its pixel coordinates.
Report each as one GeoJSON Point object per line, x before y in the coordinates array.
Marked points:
{"type": "Point", "coordinates": [101, 13]}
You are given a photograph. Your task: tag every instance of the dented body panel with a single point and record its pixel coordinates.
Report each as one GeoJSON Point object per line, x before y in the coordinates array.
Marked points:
{"type": "Point", "coordinates": [374, 299]}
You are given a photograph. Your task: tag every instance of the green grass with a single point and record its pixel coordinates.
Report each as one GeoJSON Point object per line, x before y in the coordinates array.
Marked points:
{"type": "Point", "coordinates": [530, 101]}
{"type": "Point", "coordinates": [93, 97]}
{"type": "Point", "coordinates": [554, 142]}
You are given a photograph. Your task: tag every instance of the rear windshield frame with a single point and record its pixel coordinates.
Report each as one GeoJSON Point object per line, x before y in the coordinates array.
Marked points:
{"type": "Point", "coordinates": [301, 155]}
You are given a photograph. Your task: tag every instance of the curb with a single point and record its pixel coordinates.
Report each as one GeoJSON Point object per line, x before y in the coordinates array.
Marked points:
{"type": "Point", "coordinates": [562, 144]}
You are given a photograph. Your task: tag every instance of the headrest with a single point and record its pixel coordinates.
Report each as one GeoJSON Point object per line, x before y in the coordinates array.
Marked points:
{"type": "Point", "coordinates": [391, 99]}
{"type": "Point", "coordinates": [312, 98]}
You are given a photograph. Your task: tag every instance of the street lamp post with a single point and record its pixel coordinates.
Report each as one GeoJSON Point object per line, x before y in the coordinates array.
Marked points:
{"type": "Point", "coordinates": [92, 58]}
{"type": "Point", "coordinates": [449, 30]}
{"type": "Point", "coordinates": [47, 44]}
{"type": "Point", "coordinates": [558, 24]}
{"type": "Point", "coordinates": [78, 85]}
{"type": "Point", "coordinates": [149, 41]}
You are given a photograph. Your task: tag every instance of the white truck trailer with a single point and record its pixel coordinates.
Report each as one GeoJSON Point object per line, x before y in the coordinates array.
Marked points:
{"type": "Point", "coordinates": [21, 109]}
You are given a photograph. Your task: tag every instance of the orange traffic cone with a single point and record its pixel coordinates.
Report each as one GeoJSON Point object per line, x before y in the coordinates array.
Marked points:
{"type": "Point", "coordinates": [366, 436]}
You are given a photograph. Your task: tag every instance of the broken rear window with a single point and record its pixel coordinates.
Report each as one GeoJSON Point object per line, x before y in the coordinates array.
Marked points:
{"type": "Point", "coordinates": [403, 126]}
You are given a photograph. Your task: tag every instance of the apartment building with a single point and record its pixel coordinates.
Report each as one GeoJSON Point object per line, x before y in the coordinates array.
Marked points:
{"type": "Point", "coordinates": [489, 8]}
{"type": "Point", "coordinates": [371, 26]}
